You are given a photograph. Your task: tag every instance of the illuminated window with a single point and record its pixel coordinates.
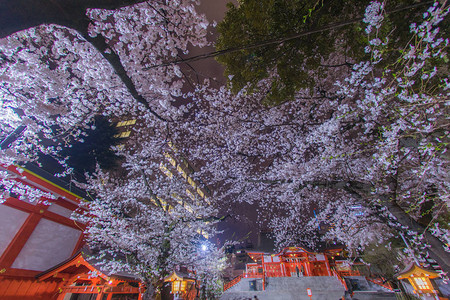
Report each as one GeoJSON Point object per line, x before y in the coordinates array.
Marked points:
{"type": "Point", "coordinates": [123, 134]}
{"type": "Point", "coordinates": [176, 285]}
{"type": "Point", "coordinates": [165, 170]}
{"type": "Point", "coordinates": [200, 192]}
{"type": "Point", "coordinates": [422, 283]}
{"type": "Point", "coordinates": [192, 196]}
{"type": "Point", "coordinates": [126, 123]}
{"type": "Point", "coordinates": [192, 182]}
{"type": "Point", "coordinates": [170, 158]}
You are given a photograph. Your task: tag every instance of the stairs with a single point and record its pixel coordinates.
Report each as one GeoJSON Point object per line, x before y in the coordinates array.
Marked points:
{"type": "Point", "coordinates": [287, 288]}
{"type": "Point", "coordinates": [364, 289]}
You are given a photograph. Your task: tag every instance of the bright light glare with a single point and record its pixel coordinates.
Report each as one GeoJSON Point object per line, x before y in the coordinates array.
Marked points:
{"type": "Point", "coordinates": [204, 247]}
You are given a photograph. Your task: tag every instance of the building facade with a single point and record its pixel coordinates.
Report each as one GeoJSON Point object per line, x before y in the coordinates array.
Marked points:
{"type": "Point", "coordinates": [36, 232]}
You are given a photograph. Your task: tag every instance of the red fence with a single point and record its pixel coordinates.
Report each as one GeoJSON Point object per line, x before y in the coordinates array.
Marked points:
{"type": "Point", "coordinates": [228, 285]}
{"type": "Point", "coordinates": [380, 282]}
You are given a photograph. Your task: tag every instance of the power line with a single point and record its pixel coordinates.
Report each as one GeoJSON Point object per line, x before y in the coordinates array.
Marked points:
{"type": "Point", "coordinates": [276, 40]}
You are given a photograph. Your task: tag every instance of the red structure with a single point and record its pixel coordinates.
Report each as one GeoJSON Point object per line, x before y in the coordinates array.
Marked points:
{"type": "Point", "coordinates": [76, 276]}
{"type": "Point", "coordinates": [295, 262]}
{"type": "Point", "coordinates": [35, 235]}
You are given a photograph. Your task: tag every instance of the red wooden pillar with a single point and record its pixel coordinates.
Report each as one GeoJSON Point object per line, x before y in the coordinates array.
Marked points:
{"type": "Point", "coordinates": [61, 296]}
{"type": "Point", "coordinates": [100, 293]}
{"type": "Point", "coordinates": [308, 266]}
{"type": "Point", "coordinates": [328, 266]}
{"type": "Point", "coordinates": [264, 273]}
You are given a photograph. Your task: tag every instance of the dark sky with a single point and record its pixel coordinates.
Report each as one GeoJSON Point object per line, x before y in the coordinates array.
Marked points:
{"type": "Point", "coordinates": [214, 11]}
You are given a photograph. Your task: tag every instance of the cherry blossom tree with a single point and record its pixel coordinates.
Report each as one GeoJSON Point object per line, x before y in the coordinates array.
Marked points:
{"type": "Point", "coordinates": [68, 75]}
{"type": "Point", "coordinates": [143, 225]}
{"type": "Point", "coordinates": [56, 79]}
{"type": "Point", "coordinates": [366, 154]}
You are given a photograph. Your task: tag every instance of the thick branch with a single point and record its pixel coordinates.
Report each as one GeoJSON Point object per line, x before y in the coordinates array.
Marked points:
{"type": "Point", "coordinates": [70, 14]}
{"type": "Point", "coordinates": [360, 189]}
{"type": "Point", "coordinates": [113, 59]}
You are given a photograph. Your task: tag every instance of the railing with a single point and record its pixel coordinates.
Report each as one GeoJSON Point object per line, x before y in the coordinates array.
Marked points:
{"type": "Point", "coordinates": [94, 289]}
{"type": "Point", "coordinates": [380, 282]}
{"type": "Point", "coordinates": [340, 279]}
{"type": "Point", "coordinates": [252, 275]}
{"type": "Point", "coordinates": [228, 285]}
{"type": "Point", "coordinates": [349, 273]}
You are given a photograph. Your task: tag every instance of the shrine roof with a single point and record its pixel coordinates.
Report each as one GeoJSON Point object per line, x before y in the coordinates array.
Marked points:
{"type": "Point", "coordinates": [413, 270]}
{"type": "Point", "coordinates": [80, 263]}
{"type": "Point", "coordinates": [178, 275]}
{"type": "Point", "coordinates": [298, 249]}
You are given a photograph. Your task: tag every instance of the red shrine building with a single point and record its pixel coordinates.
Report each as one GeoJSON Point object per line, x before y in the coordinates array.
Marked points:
{"type": "Point", "coordinates": [296, 262]}
{"type": "Point", "coordinates": [78, 278]}
{"type": "Point", "coordinates": [35, 235]}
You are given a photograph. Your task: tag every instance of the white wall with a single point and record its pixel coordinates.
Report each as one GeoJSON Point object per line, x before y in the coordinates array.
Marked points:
{"type": "Point", "coordinates": [49, 244]}
{"type": "Point", "coordinates": [10, 222]}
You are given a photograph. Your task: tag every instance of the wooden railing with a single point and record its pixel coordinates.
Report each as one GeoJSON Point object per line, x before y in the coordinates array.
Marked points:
{"type": "Point", "coordinates": [381, 282]}
{"type": "Point", "coordinates": [86, 289]}
{"type": "Point", "coordinates": [228, 285]}
{"type": "Point", "coordinates": [252, 275]}
{"type": "Point", "coordinates": [349, 273]}
{"type": "Point", "coordinates": [340, 279]}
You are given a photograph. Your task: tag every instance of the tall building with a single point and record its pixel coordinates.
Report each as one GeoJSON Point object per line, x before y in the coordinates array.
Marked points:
{"type": "Point", "coordinates": [174, 165]}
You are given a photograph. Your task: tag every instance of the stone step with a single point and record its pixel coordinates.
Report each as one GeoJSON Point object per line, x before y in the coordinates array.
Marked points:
{"type": "Point", "coordinates": [280, 295]}
{"type": "Point", "coordinates": [371, 295]}
{"type": "Point", "coordinates": [287, 288]}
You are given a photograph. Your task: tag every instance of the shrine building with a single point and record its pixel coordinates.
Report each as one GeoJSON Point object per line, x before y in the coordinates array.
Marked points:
{"type": "Point", "coordinates": [35, 235]}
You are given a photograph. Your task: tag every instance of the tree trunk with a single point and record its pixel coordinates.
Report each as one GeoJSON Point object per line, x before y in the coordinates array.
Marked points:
{"type": "Point", "coordinates": [436, 251]}
{"type": "Point", "coordinates": [361, 191]}
{"type": "Point", "coordinates": [149, 292]}
{"type": "Point", "coordinates": [16, 15]}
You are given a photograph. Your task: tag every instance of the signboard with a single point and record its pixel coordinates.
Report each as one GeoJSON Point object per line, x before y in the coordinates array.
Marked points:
{"type": "Point", "coordinates": [320, 257]}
